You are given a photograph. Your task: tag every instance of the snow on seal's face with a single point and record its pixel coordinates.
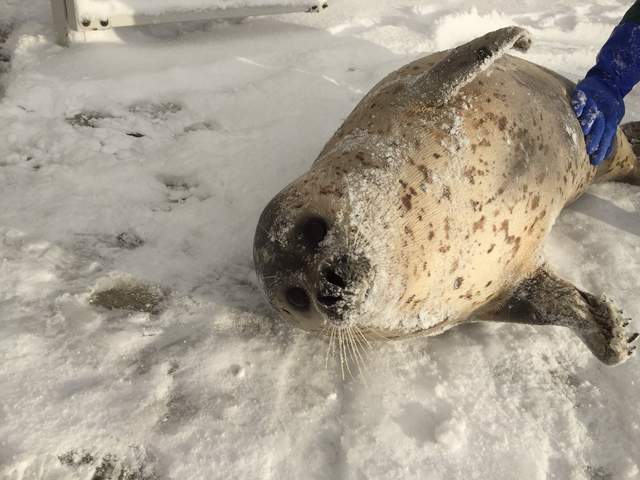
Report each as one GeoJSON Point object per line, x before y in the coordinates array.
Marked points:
{"type": "Point", "coordinates": [321, 251]}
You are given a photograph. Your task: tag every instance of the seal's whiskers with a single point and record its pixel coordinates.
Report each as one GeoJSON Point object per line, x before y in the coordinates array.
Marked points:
{"type": "Point", "coordinates": [345, 356]}
{"type": "Point", "coordinates": [330, 347]}
{"type": "Point", "coordinates": [366, 343]}
{"type": "Point", "coordinates": [351, 348]}
{"type": "Point", "coordinates": [359, 354]}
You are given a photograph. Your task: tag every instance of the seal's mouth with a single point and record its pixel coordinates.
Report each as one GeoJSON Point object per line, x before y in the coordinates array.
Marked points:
{"type": "Point", "coordinates": [338, 285]}
{"type": "Point", "coordinates": [333, 293]}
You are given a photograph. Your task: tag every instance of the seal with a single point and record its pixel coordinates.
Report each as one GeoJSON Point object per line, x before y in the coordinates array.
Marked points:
{"type": "Point", "coordinates": [429, 206]}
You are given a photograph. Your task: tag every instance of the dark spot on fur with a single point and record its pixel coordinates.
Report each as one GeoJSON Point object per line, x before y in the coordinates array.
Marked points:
{"type": "Point", "coordinates": [516, 245]}
{"type": "Point", "coordinates": [469, 172]}
{"type": "Point", "coordinates": [488, 283]}
{"type": "Point", "coordinates": [493, 245]}
{"type": "Point", "coordinates": [446, 192]}
{"type": "Point", "coordinates": [479, 225]}
{"type": "Point", "coordinates": [455, 266]}
{"type": "Point", "coordinates": [426, 173]}
{"type": "Point", "coordinates": [535, 202]}
{"type": "Point", "coordinates": [458, 283]}
{"type": "Point", "coordinates": [431, 235]}
{"type": "Point", "coordinates": [444, 248]}
{"type": "Point", "coordinates": [406, 201]}
{"type": "Point", "coordinates": [436, 155]}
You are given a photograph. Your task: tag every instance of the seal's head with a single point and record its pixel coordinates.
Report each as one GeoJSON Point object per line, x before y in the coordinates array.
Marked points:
{"type": "Point", "coordinates": [314, 253]}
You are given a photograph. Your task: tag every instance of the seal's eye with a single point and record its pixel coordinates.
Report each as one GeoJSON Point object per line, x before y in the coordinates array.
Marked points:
{"type": "Point", "coordinates": [314, 230]}
{"type": "Point", "coordinates": [298, 298]}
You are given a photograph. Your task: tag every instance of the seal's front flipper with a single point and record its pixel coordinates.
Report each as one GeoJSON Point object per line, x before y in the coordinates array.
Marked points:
{"type": "Point", "coordinates": [462, 64]}
{"type": "Point", "coordinates": [545, 299]}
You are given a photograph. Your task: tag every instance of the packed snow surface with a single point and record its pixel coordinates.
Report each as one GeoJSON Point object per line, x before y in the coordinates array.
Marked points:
{"type": "Point", "coordinates": [137, 162]}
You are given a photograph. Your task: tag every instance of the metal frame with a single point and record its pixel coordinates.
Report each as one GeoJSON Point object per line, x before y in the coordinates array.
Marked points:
{"type": "Point", "coordinates": [66, 17]}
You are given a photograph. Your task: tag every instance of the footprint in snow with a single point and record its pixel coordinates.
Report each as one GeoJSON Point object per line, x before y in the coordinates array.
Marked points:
{"type": "Point", "coordinates": [155, 111]}
{"type": "Point", "coordinates": [136, 464]}
{"type": "Point", "coordinates": [181, 189]}
{"type": "Point", "coordinates": [123, 292]}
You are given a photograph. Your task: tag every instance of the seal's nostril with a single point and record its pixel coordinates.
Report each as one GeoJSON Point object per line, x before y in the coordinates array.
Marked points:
{"type": "Point", "coordinates": [298, 298]}
{"type": "Point", "coordinates": [333, 278]}
{"type": "Point", "coordinates": [314, 230]}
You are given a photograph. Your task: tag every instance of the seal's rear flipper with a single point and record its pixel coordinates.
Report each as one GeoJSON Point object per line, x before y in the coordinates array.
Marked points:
{"type": "Point", "coordinates": [545, 299]}
{"type": "Point", "coordinates": [462, 64]}
{"type": "Point", "coordinates": [623, 163]}
{"type": "Point", "coordinates": [632, 131]}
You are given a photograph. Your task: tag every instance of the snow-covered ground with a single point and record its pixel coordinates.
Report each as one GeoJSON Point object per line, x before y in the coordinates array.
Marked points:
{"type": "Point", "coordinates": [141, 160]}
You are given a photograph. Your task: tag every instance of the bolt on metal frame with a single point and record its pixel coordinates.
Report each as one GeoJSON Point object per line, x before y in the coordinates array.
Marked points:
{"type": "Point", "coordinates": [67, 17]}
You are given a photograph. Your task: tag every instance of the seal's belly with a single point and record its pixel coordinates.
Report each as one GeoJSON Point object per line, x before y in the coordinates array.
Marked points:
{"type": "Point", "coordinates": [479, 198]}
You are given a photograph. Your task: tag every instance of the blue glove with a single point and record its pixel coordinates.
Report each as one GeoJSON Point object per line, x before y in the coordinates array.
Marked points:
{"type": "Point", "coordinates": [599, 109]}
{"type": "Point", "coordinates": [598, 99]}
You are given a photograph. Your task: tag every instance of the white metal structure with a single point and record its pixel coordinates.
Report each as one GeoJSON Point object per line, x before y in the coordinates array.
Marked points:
{"type": "Point", "coordinates": [67, 15]}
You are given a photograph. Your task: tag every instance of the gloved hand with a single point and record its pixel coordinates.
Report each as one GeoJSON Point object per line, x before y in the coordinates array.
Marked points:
{"type": "Point", "coordinates": [598, 99]}
{"type": "Point", "coordinates": [600, 108]}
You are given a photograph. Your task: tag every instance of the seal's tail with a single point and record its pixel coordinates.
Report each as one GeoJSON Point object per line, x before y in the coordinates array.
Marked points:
{"type": "Point", "coordinates": [631, 130]}
{"type": "Point", "coordinates": [623, 165]}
